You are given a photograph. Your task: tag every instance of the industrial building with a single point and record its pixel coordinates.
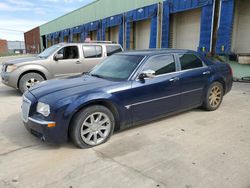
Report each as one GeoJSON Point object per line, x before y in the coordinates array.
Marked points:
{"type": "Point", "coordinates": [209, 26]}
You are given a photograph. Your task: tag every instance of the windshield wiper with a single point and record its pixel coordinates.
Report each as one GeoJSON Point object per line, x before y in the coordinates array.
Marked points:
{"type": "Point", "coordinates": [96, 75]}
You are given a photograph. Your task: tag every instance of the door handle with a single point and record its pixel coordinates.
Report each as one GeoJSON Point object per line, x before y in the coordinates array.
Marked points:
{"type": "Point", "coordinates": [174, 79]}
{"type": "Point", "coordinates": [206, 73]}
{"type": "Point", "coordinates": [78, 62]}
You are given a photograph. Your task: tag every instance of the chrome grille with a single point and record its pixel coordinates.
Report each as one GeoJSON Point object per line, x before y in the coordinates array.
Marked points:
{"type": "Point", "coordinates": [25, 109]}
{"type": "Point", "coordinates": [4, 68]}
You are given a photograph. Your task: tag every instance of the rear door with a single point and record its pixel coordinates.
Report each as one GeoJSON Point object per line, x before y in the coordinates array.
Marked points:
{"type": "Point", "coordinates": [194, 77]}
{"type": "Point", "coordinates": [93, 54]}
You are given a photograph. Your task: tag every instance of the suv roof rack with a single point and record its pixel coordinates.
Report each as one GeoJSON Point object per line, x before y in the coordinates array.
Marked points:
{"type": "Point", "coordinates": [101, 42]}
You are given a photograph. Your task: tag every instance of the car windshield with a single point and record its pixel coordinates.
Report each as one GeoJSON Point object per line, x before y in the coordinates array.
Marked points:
{"type": "Point", "coordinates": [117, 67]}
{"type": "Point", "coordinates": [46, 53]}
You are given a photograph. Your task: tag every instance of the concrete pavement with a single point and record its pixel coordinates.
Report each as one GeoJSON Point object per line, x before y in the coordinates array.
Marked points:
{"type": "Point", "coordinates": [192, 149]}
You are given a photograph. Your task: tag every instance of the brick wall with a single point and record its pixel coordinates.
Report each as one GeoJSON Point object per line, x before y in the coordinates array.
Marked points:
{"type": "Point", "coordinates": [32, 41]}
{"type": "Point", "coordinates": [3, 46]}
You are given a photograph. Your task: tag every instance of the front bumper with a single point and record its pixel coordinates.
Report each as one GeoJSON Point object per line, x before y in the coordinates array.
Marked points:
{"type": "Point", "coordinates": [40, 129]}
{"type": "Point", "coordinates": [8, 79]}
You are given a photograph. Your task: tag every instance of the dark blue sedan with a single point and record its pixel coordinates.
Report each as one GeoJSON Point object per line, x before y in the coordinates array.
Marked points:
{"type": "Point", "coordinates": [126, 89]}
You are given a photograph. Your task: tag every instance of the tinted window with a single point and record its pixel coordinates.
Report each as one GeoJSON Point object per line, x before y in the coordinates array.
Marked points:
{"type": "Point", "coordinates": [161, 64]}
{"type": "Point", "coordinates": [92, 51]}
{"type": "Point", "coordinates": [190, 61]}
{"type": "Point", "coordinates": [117, 67]}
{"type": "Point", "coordinates": [113, 49]}
{"type": "Point", "coordinates": [69, 52]}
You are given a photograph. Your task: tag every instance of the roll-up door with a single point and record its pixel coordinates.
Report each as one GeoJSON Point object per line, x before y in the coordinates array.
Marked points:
{"type": "Point", "coordinates": [142, 34]}
{"type": "Point", "coordinates": [186, 29]}
{"type": "Point", "coordinates": [93, 35]}
{"type": "Point", "coordinates": [241, 29]}
{"type": "Point", "coordinates": [114, 34]}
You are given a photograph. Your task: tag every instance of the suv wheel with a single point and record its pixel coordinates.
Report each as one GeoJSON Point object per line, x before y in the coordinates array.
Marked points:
{"type": "Point", "coordinates": [214, 97]}
{"type": "Point", "coordinates": [29, 80]}
{"type": "Point", "coordinates": [92, 126]}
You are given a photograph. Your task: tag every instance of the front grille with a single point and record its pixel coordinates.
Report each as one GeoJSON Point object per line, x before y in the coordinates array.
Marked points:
{"type": "Point", "coordinates": [4, 68]}
{"type": "Point", "coordinates": [25, 109]}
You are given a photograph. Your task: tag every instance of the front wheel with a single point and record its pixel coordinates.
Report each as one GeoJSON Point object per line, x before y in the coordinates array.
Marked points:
{"type": "Point", "coordinates": [214, 97]}
{"type": "Point", "coordinates": [92, 126]}
{"type": "Point", "coordinates": [29, 80]}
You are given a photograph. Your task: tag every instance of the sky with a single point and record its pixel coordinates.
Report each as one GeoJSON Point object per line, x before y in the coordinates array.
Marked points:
{"type": "Point", "coordinates": [19, 16]}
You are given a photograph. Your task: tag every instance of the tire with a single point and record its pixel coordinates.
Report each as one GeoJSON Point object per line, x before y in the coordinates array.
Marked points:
{"type": "Point", "coordinates": [28, 80]}
{"type": "Point", "coordinates": [85, 134]}
{"type": "Point", "coordinates": [214, 97]}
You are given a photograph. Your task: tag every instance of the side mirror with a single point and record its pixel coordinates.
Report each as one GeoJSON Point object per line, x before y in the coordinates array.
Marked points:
{"type": "Point", "coordinates": [58, 57]}
{"type": "Point", "coordinates": [147, 74]}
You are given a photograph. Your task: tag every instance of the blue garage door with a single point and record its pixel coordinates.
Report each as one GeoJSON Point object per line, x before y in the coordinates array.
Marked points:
{"type": "Point", "coordinates": [206, 23]}
{"type": "Point", "coordinates": [112, 22]}
{"type": "Point", "coordinates": [224, 35]}
{"type": "Point", "coordinates": [149, 12]}
{"type": "Point", "coordinates": [92, 27]}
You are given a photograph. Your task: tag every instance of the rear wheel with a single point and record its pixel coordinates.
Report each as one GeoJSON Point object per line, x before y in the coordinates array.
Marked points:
{"type": "Point", "coordinates": [214, 97]}
{"type": "Point", "coordinates": [92, 126]}
{"type": "Point", "coordinates": [29, 80]}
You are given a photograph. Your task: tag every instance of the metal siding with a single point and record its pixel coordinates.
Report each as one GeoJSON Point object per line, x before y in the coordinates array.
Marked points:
{"type": "Point", "coordinates": [224, 36]}
{"type": "Point", "coordinates": [95, 11]}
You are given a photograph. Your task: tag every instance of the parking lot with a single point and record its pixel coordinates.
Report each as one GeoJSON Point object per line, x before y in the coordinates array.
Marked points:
{"type": "Point", "coordinates": [192, 149]}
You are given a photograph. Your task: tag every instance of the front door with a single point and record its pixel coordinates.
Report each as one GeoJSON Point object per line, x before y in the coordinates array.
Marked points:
{"type": "Point", "coordinates": [193, 79]}
{"type": "Point", "coordinates": [158, 95]}
{"type": "Point", "coordinates": [70, 64]}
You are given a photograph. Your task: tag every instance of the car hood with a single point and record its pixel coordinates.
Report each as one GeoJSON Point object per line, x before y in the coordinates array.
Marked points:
{"type": "Point", "coordinates": [22, 60]}
{"type": "Point", "coordinates": [70, 85]}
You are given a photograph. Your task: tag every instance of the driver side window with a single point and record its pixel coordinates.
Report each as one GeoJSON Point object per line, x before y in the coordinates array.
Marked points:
{"type": "Point", "coordinates": [161, 64]}
{"type": "Point", "coordinates": [69, 52]}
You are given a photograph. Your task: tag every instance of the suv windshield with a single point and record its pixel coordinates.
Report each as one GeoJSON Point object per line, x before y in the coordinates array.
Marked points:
{"type": "Point", "coordinates": [117, 67]}
{"type": "Point", "coordinates": [46, 53]}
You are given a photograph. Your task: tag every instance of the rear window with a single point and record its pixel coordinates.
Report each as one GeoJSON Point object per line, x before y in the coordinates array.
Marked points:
{"type": "Point", "coordinates": [92, 51]}
{"type": "Point", "coordinates": [189, 61]}
{"type": "Point", "coordinates": [112, 49]}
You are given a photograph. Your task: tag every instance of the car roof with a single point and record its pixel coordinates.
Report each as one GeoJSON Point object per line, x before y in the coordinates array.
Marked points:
{"type": "Point", "coordinates": [151, 52]}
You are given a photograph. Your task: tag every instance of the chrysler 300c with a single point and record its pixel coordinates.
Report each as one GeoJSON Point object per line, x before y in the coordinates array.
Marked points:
{"type": "Point", "coordinates": [124, 90]}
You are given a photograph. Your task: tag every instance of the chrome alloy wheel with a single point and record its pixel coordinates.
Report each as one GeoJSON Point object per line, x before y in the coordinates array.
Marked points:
{"type": "Point", "coordinates": [95, 128]}
{"type": "Point", "coordinates": [215, 97]}
{"type": "Point", "coordinates": [31, 82]}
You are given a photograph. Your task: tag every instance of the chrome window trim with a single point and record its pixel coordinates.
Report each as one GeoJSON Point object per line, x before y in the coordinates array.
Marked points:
{"type": "Point", "coordinates": [137, 68]}
{"type": "Point", "coordinates": [160, 98]}
{"type": "Point", "coordinates": [41, 122]}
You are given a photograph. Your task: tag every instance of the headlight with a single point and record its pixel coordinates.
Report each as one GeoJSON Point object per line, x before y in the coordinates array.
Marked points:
{"type": "Point", "coordinates": [11, 68]}
{"type": "Point", "coordinates": [43, 109]}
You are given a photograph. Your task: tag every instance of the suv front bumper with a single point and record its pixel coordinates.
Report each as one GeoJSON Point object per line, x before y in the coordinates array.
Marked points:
{"type": "Point", "coordinates": [8, 79]}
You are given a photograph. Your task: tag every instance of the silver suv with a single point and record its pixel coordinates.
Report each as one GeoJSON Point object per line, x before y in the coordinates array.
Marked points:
{"type": "Point", "coordinates": [57, 61]}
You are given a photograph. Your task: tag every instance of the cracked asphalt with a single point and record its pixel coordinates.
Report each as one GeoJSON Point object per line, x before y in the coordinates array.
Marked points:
{"type": "Point", "coordinates": [191, 149]}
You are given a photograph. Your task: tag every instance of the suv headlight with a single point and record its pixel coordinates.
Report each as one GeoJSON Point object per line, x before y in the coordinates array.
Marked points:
{"type": "Point", "coordinates": [43, 109]}
{"type": "Point", "coordinates": [11, 68]}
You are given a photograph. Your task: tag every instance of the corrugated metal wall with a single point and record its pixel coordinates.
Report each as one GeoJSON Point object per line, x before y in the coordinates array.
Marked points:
{"type": "Point", "coordinates": [95, 11]}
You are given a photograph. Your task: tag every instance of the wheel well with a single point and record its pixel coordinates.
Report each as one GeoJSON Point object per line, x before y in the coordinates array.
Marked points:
{"type": "Point", "coordinates": [106, 104]}
{"type": "Point", "coordinates": [223, 84]}
{"type": "Point", "coordinates": [30, 71]}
